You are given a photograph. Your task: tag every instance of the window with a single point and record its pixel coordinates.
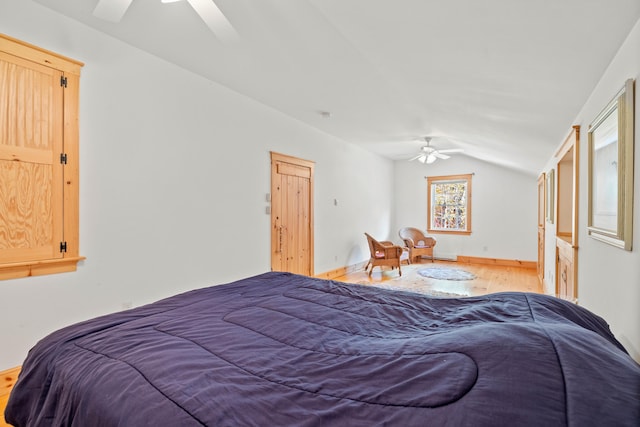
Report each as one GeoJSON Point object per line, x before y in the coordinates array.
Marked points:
{"type": "Point", "coordinates": [449, 204]}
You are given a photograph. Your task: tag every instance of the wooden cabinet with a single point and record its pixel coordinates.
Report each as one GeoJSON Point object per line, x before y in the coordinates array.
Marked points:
{"type": "Point", "coordinates": [567, 217]}
{"type": "Point", "coordinates": [38, 160]}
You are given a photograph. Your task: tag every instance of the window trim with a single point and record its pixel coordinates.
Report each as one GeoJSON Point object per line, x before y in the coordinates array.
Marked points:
{"type": "Point", "coordinates": [442, 179]}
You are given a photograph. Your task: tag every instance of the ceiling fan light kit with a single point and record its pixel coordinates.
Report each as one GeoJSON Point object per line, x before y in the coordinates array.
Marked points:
{"type": "Point", "coordinates": [429, 154]}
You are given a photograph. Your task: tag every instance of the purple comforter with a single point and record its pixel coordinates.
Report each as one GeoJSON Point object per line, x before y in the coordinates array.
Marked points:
{"type": "Point", "coordinates": [280, 349]}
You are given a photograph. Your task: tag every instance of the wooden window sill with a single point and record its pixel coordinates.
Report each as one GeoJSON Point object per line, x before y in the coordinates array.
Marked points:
{"type": "Point", "coordinates": [38, 268]}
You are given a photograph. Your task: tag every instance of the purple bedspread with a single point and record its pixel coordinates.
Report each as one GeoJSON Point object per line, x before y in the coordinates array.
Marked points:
{"type": "Point", "coordinates": [280, 349]}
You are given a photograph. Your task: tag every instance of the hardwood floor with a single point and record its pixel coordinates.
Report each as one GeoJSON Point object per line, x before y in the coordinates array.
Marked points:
{"type": "Point", "coordinates": [3, 404]}
{"type": "Point", "coordinates": [7, 380]}
{"type": "Point", "coordinates": [489, 278]}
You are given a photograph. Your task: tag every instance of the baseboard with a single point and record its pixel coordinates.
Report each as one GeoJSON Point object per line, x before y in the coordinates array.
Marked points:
{"type": "Point", "coordinates": [496, 261]}
{"type": "Point", "coordinates": [332, 274]}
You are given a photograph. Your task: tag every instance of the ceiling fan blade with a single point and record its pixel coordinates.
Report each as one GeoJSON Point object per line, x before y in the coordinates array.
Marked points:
{"type": "Point", "coordinates": [111, 10]}
{"type": "Point", "coordinates": [416, 157]}
{"type": "Point", "coordinates": [452, 150]}
{"type": "Point", "coordinates": [439, 155]}
{"type": "Point", "coordinates": [215, 19]}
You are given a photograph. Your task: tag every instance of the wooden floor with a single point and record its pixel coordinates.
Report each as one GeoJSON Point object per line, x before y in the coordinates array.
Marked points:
{"type": "Point", "coordinates": [489, 278]}
{"type": "Point", "coordinates": [7, 380]}
{"type": "Point", "coordinates": [3, 404]}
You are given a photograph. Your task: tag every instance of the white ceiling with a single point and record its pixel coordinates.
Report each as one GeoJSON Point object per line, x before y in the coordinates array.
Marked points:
{"type": "Point", "coordinates": [502, 79]}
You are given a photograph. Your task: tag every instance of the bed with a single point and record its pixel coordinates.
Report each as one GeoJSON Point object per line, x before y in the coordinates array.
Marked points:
{"type": "Point", "coordinates": [280, 349]}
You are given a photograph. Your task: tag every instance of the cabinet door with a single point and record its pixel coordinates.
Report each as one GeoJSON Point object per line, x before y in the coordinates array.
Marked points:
{"type": "Point", "coordinates": [566, 274]}
{"type": "Point", "coordinates": [563, 276]}
{"type": "Point", "coordinates": [31, 175]}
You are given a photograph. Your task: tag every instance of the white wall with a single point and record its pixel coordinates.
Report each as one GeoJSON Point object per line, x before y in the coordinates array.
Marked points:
{"type": "Point", "coordinates": [174, 170]}
{"type": "Point", "coordinates": [608, 277]}
{"type": "Point", "coordinates": [504, 208]}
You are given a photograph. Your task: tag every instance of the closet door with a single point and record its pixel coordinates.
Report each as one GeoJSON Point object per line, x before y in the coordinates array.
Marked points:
{"type": "Point", "coordinates": [31, 172]}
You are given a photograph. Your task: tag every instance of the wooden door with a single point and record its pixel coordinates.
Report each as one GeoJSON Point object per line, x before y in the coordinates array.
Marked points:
{"type": "Point", "coordinates": [31, 172]}
{"type": "Point", "coordinates": [291, 214]}
{"type": "Point", "coordinates": [542, 189]}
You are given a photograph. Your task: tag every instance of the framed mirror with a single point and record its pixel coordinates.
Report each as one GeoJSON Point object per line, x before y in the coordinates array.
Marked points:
{"type": "Point", "coordinates": [611, 171]}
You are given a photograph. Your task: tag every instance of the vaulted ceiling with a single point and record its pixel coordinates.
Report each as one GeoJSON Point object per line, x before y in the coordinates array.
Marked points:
{"type": "Point", "coordinates": [501, 79]}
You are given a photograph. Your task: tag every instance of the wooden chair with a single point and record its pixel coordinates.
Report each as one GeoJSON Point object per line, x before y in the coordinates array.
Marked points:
{"type": "Point", "coordinates": [385, 253]}
{"type": "Point", "coordinates": [417, 242]}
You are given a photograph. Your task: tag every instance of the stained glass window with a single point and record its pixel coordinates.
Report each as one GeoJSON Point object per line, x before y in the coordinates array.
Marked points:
{"type": "Point", "coordinates": [449, 200]}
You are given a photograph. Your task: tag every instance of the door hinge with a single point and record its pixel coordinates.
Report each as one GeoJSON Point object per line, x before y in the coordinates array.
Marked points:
{"type": "Point", "coordinates": [63, 246]}
{"type": "Point", "coordinates": [63, 158]}
{"type": "Point", "coordinates": [63, 81]}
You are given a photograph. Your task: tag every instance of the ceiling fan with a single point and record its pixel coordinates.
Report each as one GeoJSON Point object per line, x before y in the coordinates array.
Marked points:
{"type": "Point", "coordinates": [428, 154]}
{"type": "Point", "coordinates": [114, 10]}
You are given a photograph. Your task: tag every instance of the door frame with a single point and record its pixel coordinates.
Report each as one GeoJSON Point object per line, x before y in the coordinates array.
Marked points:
{"type": "Point", "coordinates": [566, 212]}
{"type": "Point", "coordinates": [542, 209]}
